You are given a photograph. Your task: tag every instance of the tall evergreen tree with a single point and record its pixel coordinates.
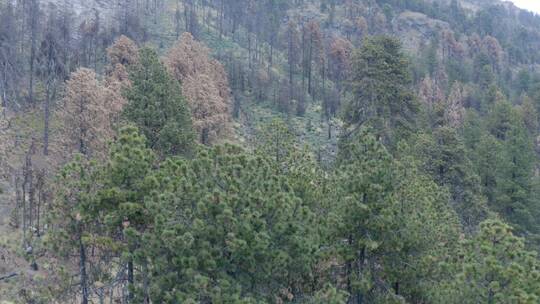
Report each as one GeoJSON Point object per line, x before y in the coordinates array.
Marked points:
{"type": "Point", "coordinates": [492, 267]}
{"type": "Point", "coordinates": [444, 157]}
{"type": "Point", "coordinates": [386, 220]}
{"type": "Point", "coordinates": [512, 188]}
{"type": "Point", "coordinates": [121, 200]}
{"type": "Point", "coordinates": [228, 228]}
{"type": "Point", "coordinates": [72, 228]}
{"type": "Point", "coordinates": [156, 106]}
{"type": "Point", "coordinates": [381, 87]}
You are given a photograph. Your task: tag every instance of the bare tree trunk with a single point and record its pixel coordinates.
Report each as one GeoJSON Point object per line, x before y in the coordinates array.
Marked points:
{"type": "Point", "coordinates": [309, 63]}
{"type": "Point", "coordinates": [221, 13]}
{"type": "Point", "coordinates": [46, 114]}
{"type": "Point", "coordinates": [32, 59]}
{"type": "Point", "coordinates": [82, 264]}
{"type": "Point", "coordinates": [23, 200]}
{"type": "Point", "coordinates": [40, 201]}
{"type": "Point", "coordinates": [18, 199]}
{"type": "Point", "coordinates": [146, 283]}
{"type": "Point", "coordinates": [34, 11]}
{"type": "Point", "coordinates": [31, 197]}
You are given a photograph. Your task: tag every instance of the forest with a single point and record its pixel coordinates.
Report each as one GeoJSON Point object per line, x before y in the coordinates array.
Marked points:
{"type": "Point", "coordinates": [269, 151]}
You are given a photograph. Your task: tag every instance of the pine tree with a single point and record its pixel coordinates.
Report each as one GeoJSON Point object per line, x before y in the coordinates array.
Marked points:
{"type": "Point", "coordinates": [86, 115]}
{"type": "Point", "coordinates": [492, 267]}
{"type": "Point", "coordinates": [228, 228]}
{"type": "Point", "coordinates": [124, 51]}
{"type": "Point", "coordinates": [388, 218]}
{"type": "Point", "coordinates": [515, 198]}
{"type": "Point", "coordinates": [381, 85]}
{"type": "Point", "coordinates": [205, 86]}
{"type": "Point", "coordinates": [157, 107]}
{"type": "Point", "coordinates": [72, 226]}
{"type": "Point", "coordinates": [530, 115]}
{"type": "Point", "coordinates": [366, 168]}
{"type": "Point", "coordinates": [428, 231]}
{"type": "Point", "coordinates": [121, 200]}
{"type": "Point", "coordinates": [444, 157]}
{"type": "Point", "coordinates": [513, 194]}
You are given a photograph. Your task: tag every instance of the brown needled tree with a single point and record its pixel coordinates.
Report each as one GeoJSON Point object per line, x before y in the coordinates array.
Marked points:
{"type": "Point", "coordinates": [205, 86]}
{"type": "Point", "coordinates": [86, 114]}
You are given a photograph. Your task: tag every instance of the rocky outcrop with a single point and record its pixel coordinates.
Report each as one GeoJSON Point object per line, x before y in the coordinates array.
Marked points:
{"type": "Point", "coordinates": [415, 28]}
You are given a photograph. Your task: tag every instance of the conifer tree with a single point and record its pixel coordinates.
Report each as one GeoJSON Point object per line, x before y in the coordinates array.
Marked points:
{"type": "Point", "coordinates": [381, 87]}
{"type": "Point", "coordinates": [512, 190]}
{"type": "Point", "coordinates": [124, 51]}
{"type": "Point", "coordinates": [205, 85]}
{"type": "Point", "coordinates": [121, 199]}
{"type": "Point", "coordinates": [156, 106]}
{"type": "Point", "coordinates": [228, 228]}
{"type": "Point", "coordinates": [366, 180]}
{"type": "Point", "coordinates": [492, 267]}
{"type": "Point", "coordinates": [86, 115]}
{"type": "Point", "coordinates": [387, 218]}
{"type": "Point", "coordinates": [72, 227]}
{"type": "Point", "coordinates": [444, 157]}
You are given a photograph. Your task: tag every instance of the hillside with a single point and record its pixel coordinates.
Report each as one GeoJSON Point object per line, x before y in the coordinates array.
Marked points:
{"type": "Point", "coordinates": [269, 151]}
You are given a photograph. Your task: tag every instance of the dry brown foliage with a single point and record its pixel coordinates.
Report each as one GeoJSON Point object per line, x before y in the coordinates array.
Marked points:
{"type": "Point", "coordinates": [494, 50]}
{"type": "Point", "coordinates": [87, 115]}
{"type": "Point", "coordinates": [124, 51]}
{"type": "Point", "coordinates": [340, 53]}
{"type": "Point", "coordinates": [6, 143]}
{"type": "Point", "coordinates": [361, 27]}
{"type": "Point", "coordinates": [205, 86]}
{"type": "Point", "coordinates": [454, 111]}
{"type": "Point", "coordinates": [429, 92]}
{"type": "Point", "coordinates": [451, 47]}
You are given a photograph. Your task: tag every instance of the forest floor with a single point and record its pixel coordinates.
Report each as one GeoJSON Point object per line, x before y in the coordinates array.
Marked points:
{"type": "Point", "coordinates": [24, 128]}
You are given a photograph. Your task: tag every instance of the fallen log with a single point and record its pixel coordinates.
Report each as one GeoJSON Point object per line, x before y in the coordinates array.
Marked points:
{"type": "Point", "coordinates": [8, 276]}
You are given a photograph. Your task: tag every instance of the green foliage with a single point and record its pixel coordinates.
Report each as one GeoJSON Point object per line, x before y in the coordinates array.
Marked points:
{"type": "Point", "coordinates": [157, 108]}
{"type": "Point", "coordinates": [228, 228]}
{"type": "Point", "coordinates": [492, 267]}
{"type": "Point", "coordinates": [444, 157]}
{"type": "Point", "coordinates": [390, 223]}
{"type": "Point", "coordinates": [276, 140]}
{"type": "Point", "coordinates": [381, 87]}
{"type": "Point", "coordinates": [513, 194]}
{"type": "Point", "coordinates": [74, 200]}
{"type": "Point", "coordinates": [329, 295]}
{"type": "Point", "coordinates": [124, 180]}
{"type": "Point", "coordinates": [74, 228]}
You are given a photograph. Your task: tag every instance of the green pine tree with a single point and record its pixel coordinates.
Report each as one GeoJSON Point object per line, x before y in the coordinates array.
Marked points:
{"type": "Point", "coordinates": [444, 157]}
{"type": "Point", "coordinates": [390, 224]}
{"type": "Point", "coordinates": [228, 228]}
{"type": "Point", "coordinates": [157, 108]}
{"type": "Point", "coordinates": [74, 232]}
{"type": "Point", "coordinates": [121, 200]}
{"type": "Point", "coordinates": [492, 267]}
{"type": "Point", "coordinates": [381, 89]}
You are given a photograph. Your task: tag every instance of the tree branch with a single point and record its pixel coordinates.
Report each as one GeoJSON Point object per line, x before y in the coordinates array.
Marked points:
{"type": "Point", "coordinates": [7, 276]}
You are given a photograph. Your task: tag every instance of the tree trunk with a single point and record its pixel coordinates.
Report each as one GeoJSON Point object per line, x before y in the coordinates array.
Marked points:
{"type": "Point", "coordinates": [309, 63]}
{"type": "Point", "coordinates": [146, 283]}
{"type": "Point", "coordinates": [131, 279]}
{"type": "Point", "coordinates": [348, 270]}
{"type": "Point", "coordinates": [82, 265]}
{"type": "Point", "coordinates": [46, 117]}
{"type": "Point", "coordinates": [32, 59]}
